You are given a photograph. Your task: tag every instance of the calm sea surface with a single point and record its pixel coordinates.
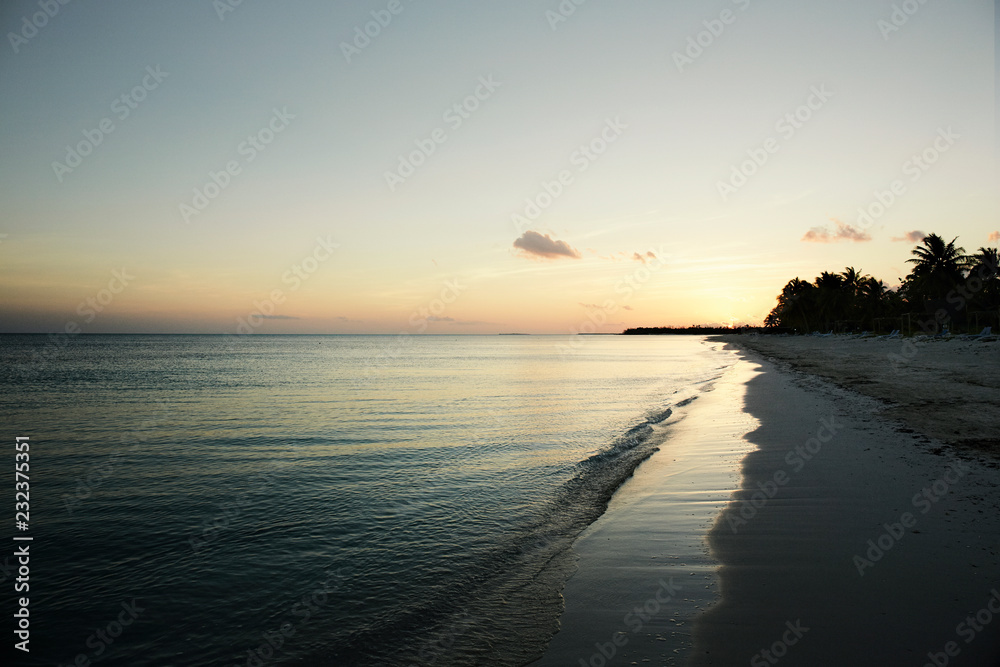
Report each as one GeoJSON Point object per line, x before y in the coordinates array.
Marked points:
{"type": "Point", "coordinates": [327, 500]}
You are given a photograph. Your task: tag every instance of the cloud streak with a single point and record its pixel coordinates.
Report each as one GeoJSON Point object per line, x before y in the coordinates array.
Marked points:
{"type": "Point", "coordinates": [642, 258]}
{"type": "Point", "coordinates": [842, 232]}
{"type": "Point", "coordinates": [542, 245]}
{"type": "Point", "coordinates": [913, 237]}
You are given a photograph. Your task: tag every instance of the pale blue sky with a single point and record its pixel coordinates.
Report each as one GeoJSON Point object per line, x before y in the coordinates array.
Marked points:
{"type": "Point", "coordinates": [655, 187]}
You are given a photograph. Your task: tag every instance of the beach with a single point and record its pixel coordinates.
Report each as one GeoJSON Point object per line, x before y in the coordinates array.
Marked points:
{"type": "Point", "coordinates": [945, 389]}
{"type": "Point", "coordinates": [861, 527]}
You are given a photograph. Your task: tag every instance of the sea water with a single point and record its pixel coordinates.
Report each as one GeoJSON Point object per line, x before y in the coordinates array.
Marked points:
{"type": "Point", "coordinates": [327, 500]}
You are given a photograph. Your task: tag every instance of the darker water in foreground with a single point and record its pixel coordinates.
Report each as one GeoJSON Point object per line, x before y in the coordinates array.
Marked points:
{"type": "Point", "coordinates": [349, 500]}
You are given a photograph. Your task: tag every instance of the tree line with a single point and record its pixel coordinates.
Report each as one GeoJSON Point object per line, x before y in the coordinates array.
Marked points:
{"type": "Point", "coordinates": [944, 285]}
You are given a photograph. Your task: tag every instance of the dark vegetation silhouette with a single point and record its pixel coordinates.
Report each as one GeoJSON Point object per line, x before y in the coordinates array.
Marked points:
{"type": "Point", "coordinates": [945, 288]}
{"type": "Point", "coordinates": [944, 284]}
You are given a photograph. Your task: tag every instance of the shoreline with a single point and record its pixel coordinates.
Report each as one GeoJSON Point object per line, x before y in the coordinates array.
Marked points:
{"type": "Point", "coordinates": [855, 528]}
{"type": "Point", "coordinates": [643, 569]}
{"type": "Point", "coordinates": [845, 537]}
{"type": "Point", "coordinates": [948, 390]}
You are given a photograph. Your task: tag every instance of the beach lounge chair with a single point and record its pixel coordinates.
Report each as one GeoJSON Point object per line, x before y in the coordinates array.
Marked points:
{"type": "Point", "coordinates": [944, 333]}
{"type": "Point", "coordinates": [987, 332]}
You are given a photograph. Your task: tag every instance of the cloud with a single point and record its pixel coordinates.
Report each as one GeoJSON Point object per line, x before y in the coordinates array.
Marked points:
{"type": "Point", "coordinates": [844, 232]}
{"type": "Point", "coordinates": [279, 317]}
{"type": "Point", "coordinates": [627, 307]}
{"type": "Point", "coordinates": [435, 318]}
{"type": "Point", "coordinates": [542, 245]}
{"type": "Point", "coordinates": [994, 236]}
{"type": "Point", "coordinates": [913, 237]}
{"type": "Point", "coordinates": [642, 258]}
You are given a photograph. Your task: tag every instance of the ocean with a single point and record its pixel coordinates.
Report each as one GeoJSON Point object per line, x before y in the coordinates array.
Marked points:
{"type": "Point", "coordinates": [323, 500]}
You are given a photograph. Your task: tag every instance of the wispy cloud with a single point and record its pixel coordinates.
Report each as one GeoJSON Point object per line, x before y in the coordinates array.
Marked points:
{"type": "Point", "coordinates": [279, 317]}
{"type": "Point", "coordinates": [542, 245]}
{"type": "Point", "coordinates": [913, 237]}
{"type": "Point", "coordinates": [994, 236]}
{"type": "Point", "coordinates": [842, 232]}
{"type": "Point", "coordinates": [642, 258]}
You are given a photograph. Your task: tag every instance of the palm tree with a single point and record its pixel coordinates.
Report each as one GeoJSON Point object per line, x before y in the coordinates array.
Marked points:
{"type": "Point", "coordinates": [853, 279]}
{"type": "Point", "coordinates": [854, 282]}
{"type": "Point", "coordinates": [937, 268]}
{"type": "Point", "coordinates": [831, 298]}
{"type": "Point", "coordinates": [873, 300]}
{"type": "Point", "coordinates": [984, 266]}
{"type": "Point", "coordinates": [794, 305]}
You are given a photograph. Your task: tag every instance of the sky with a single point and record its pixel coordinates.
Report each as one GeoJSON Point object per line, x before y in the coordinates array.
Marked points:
{"type": "Point", "coordinates": [419, 166]}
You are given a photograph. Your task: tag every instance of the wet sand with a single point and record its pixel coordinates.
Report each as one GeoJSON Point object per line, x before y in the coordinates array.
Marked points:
{"type": "Point", "coordinates": [644, 570]}
{"type": "Point", "coordinates": [852, 537]}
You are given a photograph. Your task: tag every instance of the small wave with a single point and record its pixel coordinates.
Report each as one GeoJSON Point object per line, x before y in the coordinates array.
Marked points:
{"type": "Point", "coordinates": [507, 606]}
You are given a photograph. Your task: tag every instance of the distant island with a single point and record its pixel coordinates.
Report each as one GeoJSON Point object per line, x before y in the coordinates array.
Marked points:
{"type": "Point", "coordinates": [692, 331]}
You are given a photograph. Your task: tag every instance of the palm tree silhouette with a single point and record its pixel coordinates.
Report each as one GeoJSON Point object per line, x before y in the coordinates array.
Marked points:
{"type": "Point", "coordinates": [832, 298]}
{"type": "Point", "coordinates": [984, 265]}
{"type": "Point", "coordinates": [853, 279]}
{"type": "Point", "coordinates": [937, 268]}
